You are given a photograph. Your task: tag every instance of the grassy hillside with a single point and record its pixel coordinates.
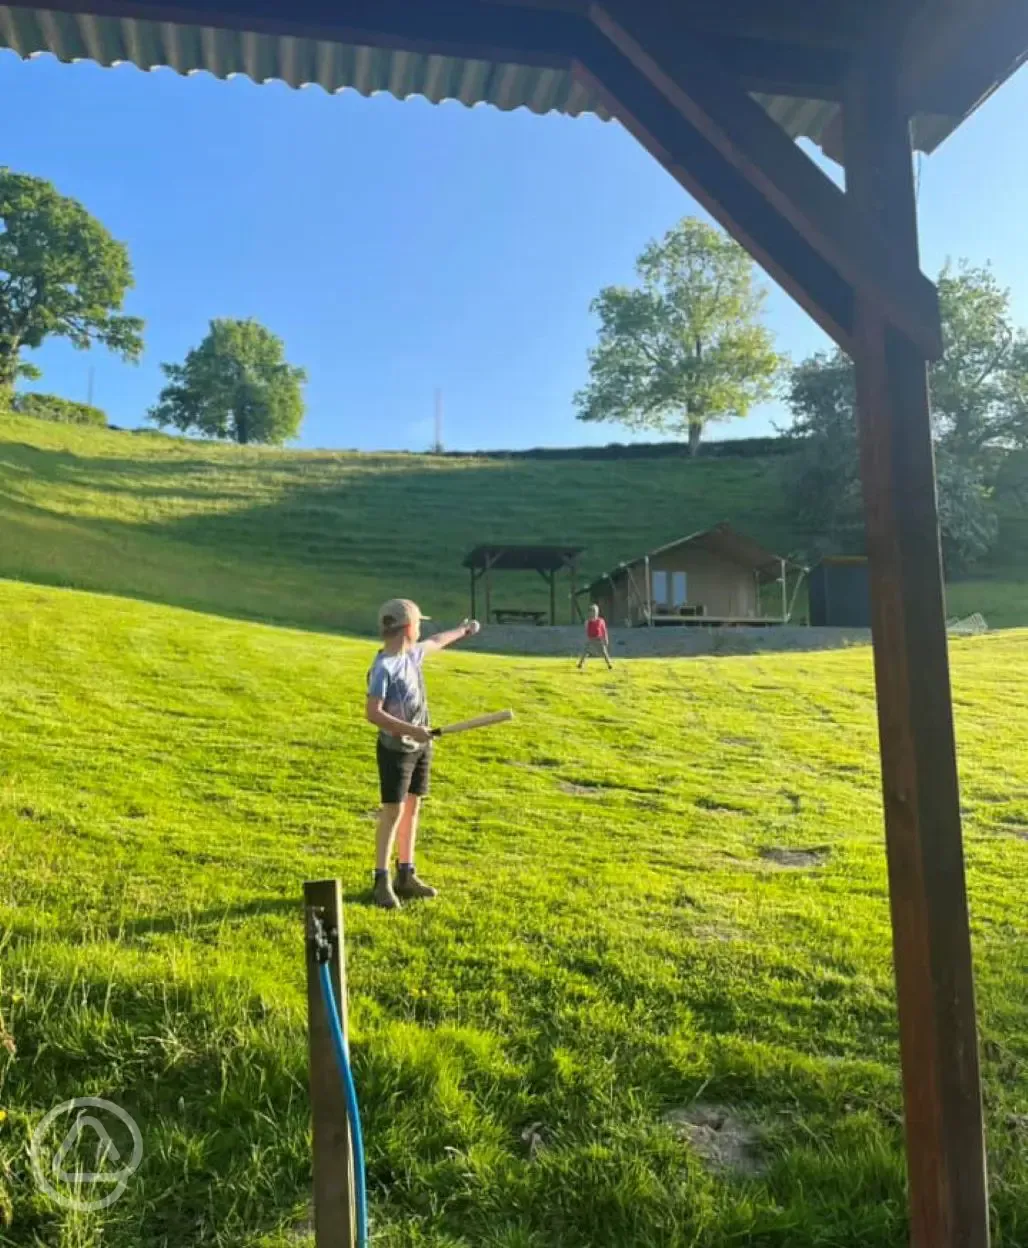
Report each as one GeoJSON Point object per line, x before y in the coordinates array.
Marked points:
{"type": "Point", "coordinates": [610, 943]}
{"type": "Point", "coordinates": [317, 540]}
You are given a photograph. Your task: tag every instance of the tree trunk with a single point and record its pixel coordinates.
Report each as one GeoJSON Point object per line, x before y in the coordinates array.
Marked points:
{"type": "Point", "coordinates": [696, 426]}
{"type": "Point", "coordinates": [8, 369]}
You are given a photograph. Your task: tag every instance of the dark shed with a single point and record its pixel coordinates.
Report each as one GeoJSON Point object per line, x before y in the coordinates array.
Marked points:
{"type": "Point", "coordinates": [839, 593]}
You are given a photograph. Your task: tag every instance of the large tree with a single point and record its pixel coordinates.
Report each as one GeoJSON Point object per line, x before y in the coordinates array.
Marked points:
{"type": "Point", "coordinates": [979, 394]}
{"type": "Point", "coordinates": [980, 386]}
{"type": "Point", "coordinates": [61, 275]}
{"type": "Point", "coordinates": [687, 345]}
{"type": "Point", "coordinates": [236, 385]}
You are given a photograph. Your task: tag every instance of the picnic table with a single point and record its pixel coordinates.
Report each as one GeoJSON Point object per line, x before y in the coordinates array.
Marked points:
{"type": "Point", "coordinates": [513, 615]}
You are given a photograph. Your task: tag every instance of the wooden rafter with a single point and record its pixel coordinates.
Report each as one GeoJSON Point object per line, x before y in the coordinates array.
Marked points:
{"type": "Point", "coordinates": [814, 23]}
{"type": "Point", "coordinates": [538, 35]}
{"type": "Point", "coordinates": [473, 29]}
{"type": "Point", "coordinates": [770, 68]}
{"type": "Point", "coordinates": [787, 183]}
{"type": "Point", "coordinates": [952, 56]}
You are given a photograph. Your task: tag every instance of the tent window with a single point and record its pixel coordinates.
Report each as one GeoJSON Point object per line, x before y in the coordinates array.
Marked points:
{"type": "Point", "coordinates": [659, 582]}
{"type": "Point", "coordinates": [678, 589]}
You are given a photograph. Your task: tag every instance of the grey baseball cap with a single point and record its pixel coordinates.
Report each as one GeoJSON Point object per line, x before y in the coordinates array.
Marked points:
{"type": "Point", "coordinates": [398, 613]}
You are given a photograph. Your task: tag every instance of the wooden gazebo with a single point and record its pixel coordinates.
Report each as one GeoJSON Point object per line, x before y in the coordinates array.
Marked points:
{"type": "Point", "coordinates": [718, 90]}
{"type": "Point", "coordinates": [548, 561]}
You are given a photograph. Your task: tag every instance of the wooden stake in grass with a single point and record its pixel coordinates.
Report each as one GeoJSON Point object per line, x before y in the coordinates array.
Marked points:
{"type": "Point", "coordinates": [335, 1220]}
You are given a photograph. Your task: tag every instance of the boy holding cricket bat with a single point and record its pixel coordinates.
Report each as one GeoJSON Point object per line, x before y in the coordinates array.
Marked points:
{"type": "Point", "coordinates": [398, 706]}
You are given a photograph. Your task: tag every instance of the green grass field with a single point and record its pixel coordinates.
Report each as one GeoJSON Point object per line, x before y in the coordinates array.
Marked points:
{"type": "Point", "coordinates": [610, 944]}
{"type": "Point", "coordinates": [315, 540]}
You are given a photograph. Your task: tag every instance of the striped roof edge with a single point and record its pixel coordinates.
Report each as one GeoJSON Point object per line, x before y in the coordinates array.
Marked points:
{"type": "Point", "coordinates": [339, 67]}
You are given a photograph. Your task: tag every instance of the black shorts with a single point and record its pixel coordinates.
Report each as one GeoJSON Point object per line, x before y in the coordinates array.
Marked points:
{"type": "Point", "coordinates": [403, 772]}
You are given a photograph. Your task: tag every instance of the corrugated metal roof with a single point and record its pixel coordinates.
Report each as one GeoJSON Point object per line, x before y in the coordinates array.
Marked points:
{"type": "Point", "coordinates": [340, 67]}
{"type": "Point", "coordinates": [298, 62]}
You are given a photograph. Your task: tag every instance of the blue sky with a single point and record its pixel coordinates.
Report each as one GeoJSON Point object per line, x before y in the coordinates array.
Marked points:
{"type": "Point", "coordinates": [402, 247]}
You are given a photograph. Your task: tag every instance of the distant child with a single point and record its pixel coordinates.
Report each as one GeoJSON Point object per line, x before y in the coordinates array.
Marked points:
{"type": "Point", "coordinates": [398, 706]}
{"type": "Point", "coordinates": [596, 638]}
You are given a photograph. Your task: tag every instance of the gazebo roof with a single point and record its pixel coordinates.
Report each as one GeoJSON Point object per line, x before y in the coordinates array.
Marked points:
{"type": "Point", "coordinates": [791, 55]}
{"type": "Point", "coordinates": [522, 558]}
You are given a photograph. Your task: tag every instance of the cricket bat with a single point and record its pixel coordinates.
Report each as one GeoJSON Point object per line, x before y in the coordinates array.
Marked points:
{"type": "Point", "coordinates": [480, 721]}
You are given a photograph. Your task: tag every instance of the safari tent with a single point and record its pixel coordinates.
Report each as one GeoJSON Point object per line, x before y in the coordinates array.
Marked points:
{"type": "Point", "coordinates": [718, 576]}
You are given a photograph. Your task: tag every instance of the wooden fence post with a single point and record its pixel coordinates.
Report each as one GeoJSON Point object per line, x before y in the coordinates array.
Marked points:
{"type": "Point", "coordinates": [335, 1220]}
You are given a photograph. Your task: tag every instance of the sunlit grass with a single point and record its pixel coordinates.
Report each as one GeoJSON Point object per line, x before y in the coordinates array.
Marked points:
{"type": "Point", "coordinates": [609, 942]}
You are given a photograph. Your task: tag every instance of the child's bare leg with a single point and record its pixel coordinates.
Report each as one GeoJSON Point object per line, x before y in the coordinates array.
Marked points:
{"type": "Point", "coordinates": [585, 655]}
{"type": "Point", "coordinates": [388, 822]}
{"type": "Point", "coordinates": [407, 829]}
{"type": "Point", "coordinates": [408, 885]}
{"type": "Point", "coordinates": [606, 655]}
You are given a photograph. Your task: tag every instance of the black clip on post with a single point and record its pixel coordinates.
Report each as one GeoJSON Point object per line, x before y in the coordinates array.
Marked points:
{"type": "Point", "coordinates": [320, 938]}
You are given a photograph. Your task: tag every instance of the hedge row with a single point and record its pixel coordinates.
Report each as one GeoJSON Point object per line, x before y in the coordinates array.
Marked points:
{"type": "Point", "coordinates": [64, 411]}
{"type": "Point", "coordinates": [736, 448]}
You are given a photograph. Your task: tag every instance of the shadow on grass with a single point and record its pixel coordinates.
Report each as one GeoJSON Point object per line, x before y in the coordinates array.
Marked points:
{"type": "Point", "coordinates": [215, 1082]}
{"type": "Point", "coordinates": [316, 542]}
{"type": "Point", "coordinates": [26, 933]}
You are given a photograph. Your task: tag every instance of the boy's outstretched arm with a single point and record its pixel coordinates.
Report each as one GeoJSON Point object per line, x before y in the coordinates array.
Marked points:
{"type": "Point", "coordinates": [441, 640]}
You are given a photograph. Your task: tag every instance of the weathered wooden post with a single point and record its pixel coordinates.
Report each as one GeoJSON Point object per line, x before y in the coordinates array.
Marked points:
{"type": "Point", "coordinates": [335, 1220]}
{"type": "Point", "coordinates": [931, 929]}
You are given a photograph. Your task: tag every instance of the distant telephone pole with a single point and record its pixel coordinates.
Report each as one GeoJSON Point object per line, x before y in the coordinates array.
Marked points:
{"type": "Point", "coordinates": [89, 387]}
{"type": "Point", "coordinates": [437, 446]}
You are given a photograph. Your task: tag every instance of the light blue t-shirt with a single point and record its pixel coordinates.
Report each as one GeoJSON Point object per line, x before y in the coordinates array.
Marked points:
{"type": "Point", "coordinates": [399, 680]}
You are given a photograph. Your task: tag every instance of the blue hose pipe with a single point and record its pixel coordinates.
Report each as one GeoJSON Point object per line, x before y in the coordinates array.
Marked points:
{"type": "Point", "coordinates": [350, 1093]}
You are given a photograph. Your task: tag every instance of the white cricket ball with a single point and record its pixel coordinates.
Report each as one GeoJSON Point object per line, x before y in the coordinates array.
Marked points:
{"type": "Point", "coordinates": [474, 627]}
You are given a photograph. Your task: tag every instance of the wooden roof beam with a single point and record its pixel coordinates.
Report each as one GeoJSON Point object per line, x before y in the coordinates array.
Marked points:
{"type": "Point", "coordinates": [725, 149]}
{"type": "Point", "coordinates": [838, 24]}
{"type": "Point", "coordinates": [472, 29]}
{"type": "Point", "coordinates": [770, 68]}
{"type": "Point", "coordinates": [953, 58]}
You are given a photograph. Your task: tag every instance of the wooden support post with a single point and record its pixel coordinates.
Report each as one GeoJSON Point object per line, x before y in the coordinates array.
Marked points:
{"type": "Point", "coordinates": [931, 936]}
{"type": "Point", "coordinates": [785, 593]}
{"type": "Point", "coordinates": [487, 573]}
{"type": "Point", "coordinates": [335, 1221]}
{"type": "Point", "coordinates": [575, 613]}
{"type": "Point", "coordinates": [553, 596]}
{"type": "Point", "coordinates": [473, 578]}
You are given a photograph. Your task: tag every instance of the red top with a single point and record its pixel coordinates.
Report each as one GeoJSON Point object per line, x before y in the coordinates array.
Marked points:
{"type": "Point", "coordinates": [596, 630]}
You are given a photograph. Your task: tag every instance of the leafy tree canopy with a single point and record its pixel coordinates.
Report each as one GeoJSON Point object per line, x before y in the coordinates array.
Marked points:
{"type": "Point", "coordinates": [61, 275]}
{"type": "Point", "coordinates": [235, 385]}
{"type": "Point", "coordinates": [979, 395]}
{"type": "Point", "coordinates": [686, 346]}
